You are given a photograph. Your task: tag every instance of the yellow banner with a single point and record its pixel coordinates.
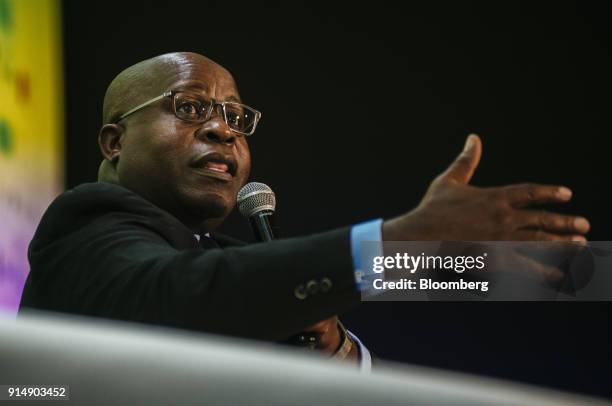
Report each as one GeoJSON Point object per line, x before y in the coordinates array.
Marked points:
{"type": "Point", "coordinates": [31, 130]}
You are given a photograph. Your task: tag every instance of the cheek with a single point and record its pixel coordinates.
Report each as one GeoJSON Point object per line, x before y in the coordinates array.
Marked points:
{"type": "Point", "coordinates": [156, 150]}
{"type": "Point", "coordinates": [170, 140]}
{"type": "Point", "coordinates": [244, 159]}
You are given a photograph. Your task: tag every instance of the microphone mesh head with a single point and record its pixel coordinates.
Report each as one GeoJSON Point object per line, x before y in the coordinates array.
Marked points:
{"type": "Point", "coordinates": [255, 197]}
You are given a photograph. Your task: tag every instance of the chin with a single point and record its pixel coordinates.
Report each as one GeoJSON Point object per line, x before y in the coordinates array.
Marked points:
{"type": "Point", "coordinates": [212, 205]}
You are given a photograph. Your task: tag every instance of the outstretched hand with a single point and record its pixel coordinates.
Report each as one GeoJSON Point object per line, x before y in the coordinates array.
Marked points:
{"type": "Point", "coordinates": [454, 210]}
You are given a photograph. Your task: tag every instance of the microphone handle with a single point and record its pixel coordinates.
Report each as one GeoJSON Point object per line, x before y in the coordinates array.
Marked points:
{"type": "Point", "coordinates": [261, 225]}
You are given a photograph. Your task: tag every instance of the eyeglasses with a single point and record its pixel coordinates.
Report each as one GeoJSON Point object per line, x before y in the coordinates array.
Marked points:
{"type": "Point", "coordinates": [241, 118]}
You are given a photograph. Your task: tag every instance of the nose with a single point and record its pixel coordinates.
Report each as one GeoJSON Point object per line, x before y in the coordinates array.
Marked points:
{"type": "Point", "coordinates": [217, 131]}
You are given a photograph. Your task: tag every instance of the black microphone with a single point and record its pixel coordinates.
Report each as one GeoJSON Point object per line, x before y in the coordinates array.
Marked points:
{"type": "Point", "coordinates": [257, 202]}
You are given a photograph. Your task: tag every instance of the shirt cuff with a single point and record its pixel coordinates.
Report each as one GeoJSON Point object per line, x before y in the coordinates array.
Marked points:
{"type": "Point", "coordinates": [370, 231]}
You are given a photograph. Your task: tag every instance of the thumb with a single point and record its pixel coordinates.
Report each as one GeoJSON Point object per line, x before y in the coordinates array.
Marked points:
{"type": "Point", "coordinates": [462, 169]}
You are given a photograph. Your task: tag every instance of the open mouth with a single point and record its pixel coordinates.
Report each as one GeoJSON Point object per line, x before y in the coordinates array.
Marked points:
{"type": "Point", "coordinates": [216, 163]}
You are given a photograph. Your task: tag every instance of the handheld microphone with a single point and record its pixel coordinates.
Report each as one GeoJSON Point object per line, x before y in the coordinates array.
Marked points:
{"type": "Point", "coordinates": [257, 202]}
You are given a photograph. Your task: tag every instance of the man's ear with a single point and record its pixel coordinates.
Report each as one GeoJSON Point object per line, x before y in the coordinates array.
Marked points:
{"type": "Point", "coordinates": [109, 140]}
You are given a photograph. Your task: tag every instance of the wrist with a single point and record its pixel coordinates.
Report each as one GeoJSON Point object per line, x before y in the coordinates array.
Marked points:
{"type": "Point", "coordinates": [394, 229]}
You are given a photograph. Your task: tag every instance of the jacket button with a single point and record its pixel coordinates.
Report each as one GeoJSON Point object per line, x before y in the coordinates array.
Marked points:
{"type": "Point", "coordinates": [300, 292]}
{"type": "Point", "coordinates": [312, 287]}
{"type": "Point", "coordinates": [326, 285]}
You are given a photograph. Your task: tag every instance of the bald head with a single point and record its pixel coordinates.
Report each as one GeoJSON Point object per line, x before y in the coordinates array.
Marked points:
{"type": "Point", "coordinates": [148, 79]}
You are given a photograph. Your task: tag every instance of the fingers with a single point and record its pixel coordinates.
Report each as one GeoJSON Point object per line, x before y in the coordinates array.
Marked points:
{"type": "Point", "coordinates": [542, 225]}
{"type": "Point", "coordinates": [527, 194]}
{"type": "Point", "coordinates": [462, 169]}
{"type": "Point", "coordinates": [541, 235]}
{"type": "Point", "coordinates": [556, 253]}
{"type": "Point", "coordinates": [328, 334]}
{"type": "Point", "coordinates": [531, 267]}
{"type": "Point", "coordinates": [553, 222]}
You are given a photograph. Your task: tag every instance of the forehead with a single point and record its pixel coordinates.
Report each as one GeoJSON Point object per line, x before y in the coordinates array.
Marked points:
{"type": "Point", "coordinates": [204, 76]}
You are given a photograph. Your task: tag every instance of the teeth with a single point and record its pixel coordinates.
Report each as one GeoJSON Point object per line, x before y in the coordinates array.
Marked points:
{"type": "Point", "coordinates": [216, 166]}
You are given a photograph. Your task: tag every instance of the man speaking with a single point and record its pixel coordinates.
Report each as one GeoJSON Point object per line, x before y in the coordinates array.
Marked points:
{"type": "Point", "coordinates": [140, 244]}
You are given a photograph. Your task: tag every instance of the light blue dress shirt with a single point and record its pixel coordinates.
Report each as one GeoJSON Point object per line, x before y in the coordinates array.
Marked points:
{"type": "Point", "coordinates": [370, 231]}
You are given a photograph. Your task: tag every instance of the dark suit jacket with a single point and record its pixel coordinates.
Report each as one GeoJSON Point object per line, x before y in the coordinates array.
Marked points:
{"type": "Point", "coordinates": [102, 250]}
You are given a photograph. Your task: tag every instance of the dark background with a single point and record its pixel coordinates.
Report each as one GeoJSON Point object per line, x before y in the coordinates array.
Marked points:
{"type": "Point", "coordinates": [363, 105]}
